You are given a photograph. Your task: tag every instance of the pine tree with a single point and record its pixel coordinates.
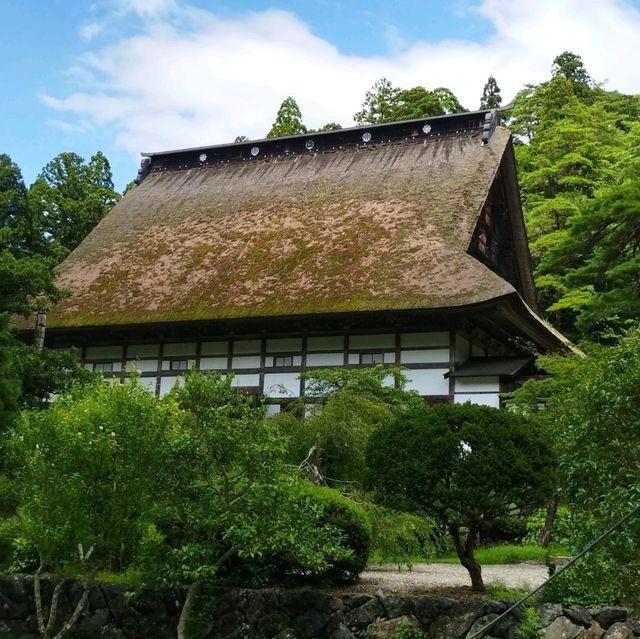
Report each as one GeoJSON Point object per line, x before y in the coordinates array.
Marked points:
{"type": "Point", "coordinates": [71, 196]}
{"type": "Point", "coordinates": [377, 104]}
{"type": "Point", "coordinates": [491, 98]}
{"type": "Point", "coordinates": [288, 120]}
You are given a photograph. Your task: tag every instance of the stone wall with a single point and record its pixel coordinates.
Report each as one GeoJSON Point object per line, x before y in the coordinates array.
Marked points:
{"type": "Point", "coordinates": [118, 611]}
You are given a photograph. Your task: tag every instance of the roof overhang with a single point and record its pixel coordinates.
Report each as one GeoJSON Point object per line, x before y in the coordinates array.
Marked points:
{"type": "Point", "coordinates": [507, 318]}
{"type": "Point", "coordinates": [508, 367]}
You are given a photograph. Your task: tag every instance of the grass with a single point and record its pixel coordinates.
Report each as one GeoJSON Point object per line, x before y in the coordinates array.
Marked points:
{"type": "Point", "coordinates": [497, 590]}
{"type": "Point", "coordinates": [502, 554]}
{"type": "Point", "coordinates": [487, 555]}
{"type": "Point", "coordinates": [128, 577]}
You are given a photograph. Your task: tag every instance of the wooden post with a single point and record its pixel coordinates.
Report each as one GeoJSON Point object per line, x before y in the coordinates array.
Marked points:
{"type": "Point", "coordinates": [41, 326]}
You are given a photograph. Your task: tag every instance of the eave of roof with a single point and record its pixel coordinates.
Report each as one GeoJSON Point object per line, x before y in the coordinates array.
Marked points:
{"type": "Point", "coordinates": [491, 366]}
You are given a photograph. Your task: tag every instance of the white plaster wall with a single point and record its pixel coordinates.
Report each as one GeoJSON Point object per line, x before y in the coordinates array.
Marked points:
{"type": "Point", "coordinates": [428, 381]}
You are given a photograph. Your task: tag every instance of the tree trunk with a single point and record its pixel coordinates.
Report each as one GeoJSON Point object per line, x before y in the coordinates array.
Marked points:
{"type": "Point", "coordinates": [464, 550]}
{"type": "Point", "coordinates": [544, 534]}
{"type": "Point", "coordinates": [185, 614]}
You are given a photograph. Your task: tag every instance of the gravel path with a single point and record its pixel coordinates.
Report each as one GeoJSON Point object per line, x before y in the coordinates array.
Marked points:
{"type": "Point", "coordinates": [424, 577]}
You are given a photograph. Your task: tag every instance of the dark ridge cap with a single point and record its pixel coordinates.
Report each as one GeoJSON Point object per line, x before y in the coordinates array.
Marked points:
{"type": "Point", "coordinates": [324, 141]}
{"type": "Point", "coordinates": [327, 134]}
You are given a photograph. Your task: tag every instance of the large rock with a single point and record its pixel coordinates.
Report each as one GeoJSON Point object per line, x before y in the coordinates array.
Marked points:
{"type": "Point", "coordinates": [13, 609]}
{"type": "Point", "coordinates": [92, 624]}
{"type": "Point", "coordinates": [363, 616]}
{"type": "Point", "coordinates": [481, 623]}
{"type": "Point", "coordinates": [578, 615]}
{"type": "Point", "coordinates": [355, 600]}
{"type": "Point", "coordinates": [619, 630]}
{"type": "Point", "coordinates": [341, 632]}
{"type": "Point", "coordinates": [392, 627]}
{"type": "Point", "coordinates": [594, 631]}
{"type": "Point", "coordinates": [309, 624]}
{"type": "Point", "coordinates": [428, 609]}
{"type": "Point", "coordinates": [548, 612]}
{"type": "Point", "coordinates": [395, 606]}
{"type": "Point", "coordinates": [505, 628]}
{"type": "Point", "coordinates": [456, 623]}
{"type": "Point", "coordinates": [561, 628]}
{"type": "Point", "coordinates": [608, 616]}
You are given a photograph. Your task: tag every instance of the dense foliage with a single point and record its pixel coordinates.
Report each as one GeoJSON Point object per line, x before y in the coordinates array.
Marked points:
{"type": "Point", "coordinates": [237, 499]}
{"type": "Point", "coordinates": [579, 177]}
{"type": "Point", "coordinates": [349, 406]}
{"type": "Point", "coordinates": [464, 465]}
{"type": "Point", "coordinates": [591, 412]}
{"type": "Point", "coordinates": [38, 225]}
{"type": "Point", "coordinates": [87, 472]}
{"type": "Point", "coordinates": [386, 103]}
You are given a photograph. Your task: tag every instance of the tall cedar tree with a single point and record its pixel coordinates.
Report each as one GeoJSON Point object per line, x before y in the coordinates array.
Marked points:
{"type": "Point", "coordinates": [491, 98]}
{"type": "Point", "coordinates": [575, 160]}
{"type": "Point", "coordinates": [71, 196]}
{"type": "Point", "coordinates": [288, 120]}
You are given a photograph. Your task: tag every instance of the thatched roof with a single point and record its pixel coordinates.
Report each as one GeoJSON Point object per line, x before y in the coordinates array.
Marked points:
{"type": "Point", "coordinates": [353, 228]}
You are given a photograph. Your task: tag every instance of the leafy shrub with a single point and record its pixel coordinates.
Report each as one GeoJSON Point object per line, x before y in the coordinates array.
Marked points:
{"type": "Point", "coordinates": [591, 581]}
{"type": "Point", "coordinates": [591, 414]}
{"type": "Point", "coordinates": [339, 516]}
{"type": "Point", "coordinates": [561, 526]}
{"type": "Point", "coordinates": [401, 537]}
{"type": "Point", "coordinates": [9, 530]}
{"type": "Point", "coordinates": [88, 470]}
{"type": "Point", "coordinates": [529, 627]}
{"type": "Point", "coordinates": [295, 431]}
{"type": "Point", "coordinates": [406, 631]}
{"type": "Point", "coordinates": [239, 514]}
{"type": "Point", "coordinates": [351, 521]}
{"type": "Point", "coordinates": [349, 406]}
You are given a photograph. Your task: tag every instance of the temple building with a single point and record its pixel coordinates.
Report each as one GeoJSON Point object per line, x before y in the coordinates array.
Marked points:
{"type": "Point", "coordinates": [397, 243]}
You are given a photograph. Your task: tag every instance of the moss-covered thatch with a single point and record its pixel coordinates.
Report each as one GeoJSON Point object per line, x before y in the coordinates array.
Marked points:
{"type": "Point", "coordinates": [384, 227]}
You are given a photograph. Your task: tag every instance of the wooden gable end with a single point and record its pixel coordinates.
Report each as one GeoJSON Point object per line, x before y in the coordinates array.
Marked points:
{"type": "Point", "coordinates": [499, 239]}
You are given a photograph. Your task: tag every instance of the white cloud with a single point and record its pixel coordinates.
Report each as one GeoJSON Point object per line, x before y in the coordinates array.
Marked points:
{"type": "Point", "coordinates": [191, 78]}
{"type": "Point", "coordinates": [90, 30]}
{"type": "Point", "coordinates": [80, 126]}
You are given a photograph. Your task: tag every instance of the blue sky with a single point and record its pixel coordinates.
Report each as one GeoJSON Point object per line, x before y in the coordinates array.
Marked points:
{"type": "Point", "coordinates": [125, 76]}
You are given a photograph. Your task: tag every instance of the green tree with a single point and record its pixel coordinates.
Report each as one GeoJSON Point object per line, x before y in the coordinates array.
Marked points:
{"type": "Point", "coordinates": [348, 406]}
{"type": "Point", "coordinates": [13, 196]}
{"type": "Point", "coordinates": [87, 472]}
{"type": "Point", "coordinates": [491, 98]}
{"type": "Point", "coordinates": [573, 155]}
{"type": "Point", "coordinates": [386, 103]}
{"type": "Point", "coordinates": [449, 103]}
{"type": "Point", "coordinates": [464, 465]}
{"type": "Point", "coordinates": [591, 414]}
{"type": "Point", "coordinates": [72, 196]}
{"type": "Point", "coordinates": [571, 66]}
{"type": "Point", "coordinates": [330, 126]}
{"type": "Point", "coordinates": [288, 120]}
{"type": "Point", "coordinates": [378, 103]}
{"type": "Point", "coordinates": [235, 498]}
{"type": "Point", "coordinates": [597, 255]}
{"type": "Point", "coordinates": [26, 283]}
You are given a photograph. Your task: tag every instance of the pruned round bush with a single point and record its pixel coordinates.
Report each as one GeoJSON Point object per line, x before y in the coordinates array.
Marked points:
{"type": "Point", "coordinates": [338, 515]}
{"type": "Point", "coordinates": [352, 521]}
{"type": "Point", "coordinates": [463, 464]}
